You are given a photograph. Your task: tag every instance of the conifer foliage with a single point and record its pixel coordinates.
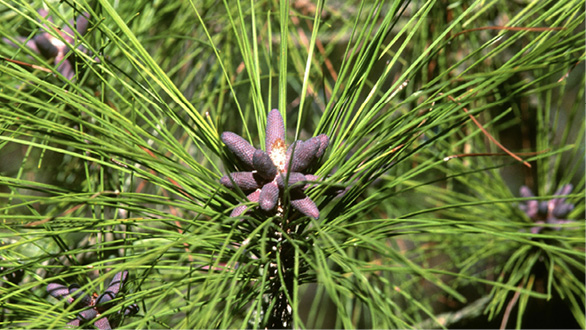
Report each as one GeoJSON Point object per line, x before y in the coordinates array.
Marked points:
{"type": "Point", "coordinates": [421, 167]}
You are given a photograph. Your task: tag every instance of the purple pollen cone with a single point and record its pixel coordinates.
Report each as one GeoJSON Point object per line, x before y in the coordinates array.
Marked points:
{"type": "Point", "coordinates": [324, 141]}
{"type": "Point", "coordinates": [57, 290]}
{"type": "Point", "coordinates": [239, 147]}
{"type": "Point", "coordinates": [264, 165]}
{"type": "Point", "coordinates": [303, 155]}
{"type": "Point", "coordinates": [238, 210]}
{"type": "Point", "coordinates": [275, 129]}
{"type": "Point", "coordinates": [244, 180]}
{"type": "Point", "coordinates": [81, 25]}
{"type": "Point", "coordinates": [294, 177]}
{"type": "Point", "coordinates": [75, 323]}
{"type": "Point", "coordinates": [103, 324]}
{"type": "Point", "coordinates": [117, 282]}
{"type": "Point", "coordinates": [75, 294]}
{"type": "Point", "coordinates": [306, 206]}
{"type": "Point", "coordinates": [89, 314]}
{"type": "Point", "coordinates": [310, 177]}
{"type": "Point", "coordinates": [269, 195]}
{"type": "Point", "coordinates": [102, 301]}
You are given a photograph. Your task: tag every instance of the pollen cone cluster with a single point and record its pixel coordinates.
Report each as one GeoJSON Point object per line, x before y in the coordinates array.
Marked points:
{"type": "Point", "coordinates": [276, 170]}
{"type": "Point", "coordinates": [97, 305]}
{"type": "Point", "coordinates": [553, 211]}
{"type": "Point", "coordinates": [53, 48]}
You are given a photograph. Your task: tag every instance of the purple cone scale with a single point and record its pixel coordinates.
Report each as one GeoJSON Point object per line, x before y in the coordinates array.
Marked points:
{"type": "Point", "coordinates": [275, 171]}
{"type": "Point", "coordinates": [94, 305]}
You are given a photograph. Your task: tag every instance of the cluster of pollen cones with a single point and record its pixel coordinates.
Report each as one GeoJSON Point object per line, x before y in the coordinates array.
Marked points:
{"type": "Point", "coordinates": [278, 169]}
{"type": "Point", "coordinates": [97, 305]}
